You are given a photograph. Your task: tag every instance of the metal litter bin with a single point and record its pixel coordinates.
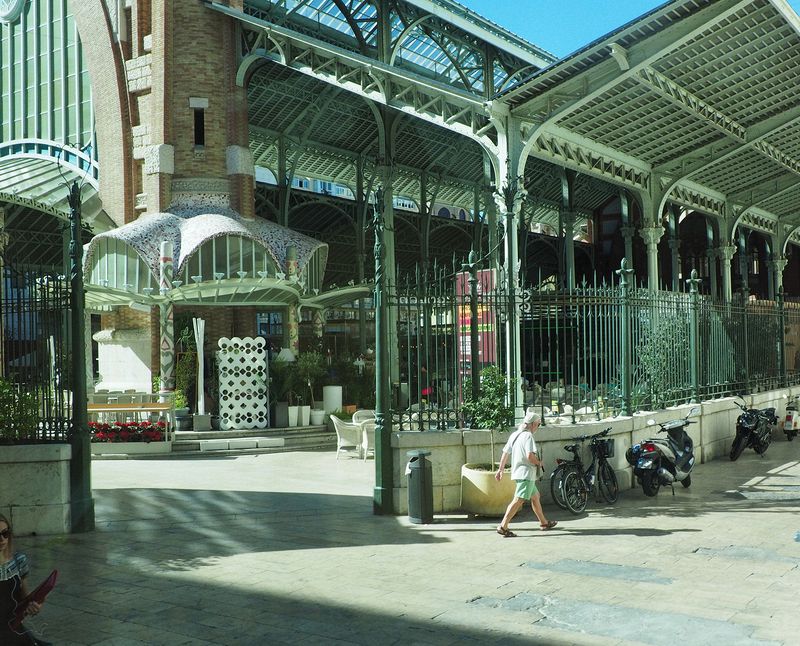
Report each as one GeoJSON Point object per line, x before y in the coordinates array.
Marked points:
{"type": "Point", "coordinates": [420, 487]}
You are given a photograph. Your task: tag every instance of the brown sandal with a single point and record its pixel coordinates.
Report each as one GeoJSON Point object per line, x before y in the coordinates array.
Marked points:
{"type": "Point", "coordinates": [506, 533]}
{"type": "Point", "coordinates": [548, 525]}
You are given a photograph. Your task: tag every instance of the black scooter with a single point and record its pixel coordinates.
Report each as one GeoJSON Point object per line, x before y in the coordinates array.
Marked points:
{"type": "Point", "coordinates": [754, 430]}
{"type": "Point", "coordinates": [662, 461]}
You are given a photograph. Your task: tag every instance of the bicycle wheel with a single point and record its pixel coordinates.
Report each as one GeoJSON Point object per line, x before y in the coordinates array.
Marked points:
{"type": "Point", "coordinates": [557, 483]}
{"type": "Point", "coordinates": [607, 482]}
{"type": "Point", "coordinates": [575, 492]}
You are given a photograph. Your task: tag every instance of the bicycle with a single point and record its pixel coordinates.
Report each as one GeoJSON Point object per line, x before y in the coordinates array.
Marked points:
{"type": "Point", "coordinates": [571, 484]}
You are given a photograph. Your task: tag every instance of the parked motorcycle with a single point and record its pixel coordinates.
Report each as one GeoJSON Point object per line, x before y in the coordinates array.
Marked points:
{"type": "Point", "coordinates": [791, 422]}
{"type": "Point", "coordinates": [661, 461]}
{"type": "Point", "coordinates": [753, 429]}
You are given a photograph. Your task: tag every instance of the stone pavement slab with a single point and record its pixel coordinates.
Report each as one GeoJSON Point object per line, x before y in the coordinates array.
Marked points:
{"type": "Point", "coordinates": [284, 549]}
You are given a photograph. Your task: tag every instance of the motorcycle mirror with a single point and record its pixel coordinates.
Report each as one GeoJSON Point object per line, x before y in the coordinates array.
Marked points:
{"type": "Point", "coordinates": [694, 412]}
{"type": "Point", "coordinates": [651, 422]}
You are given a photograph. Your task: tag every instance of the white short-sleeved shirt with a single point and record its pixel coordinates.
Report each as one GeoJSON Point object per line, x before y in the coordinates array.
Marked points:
{"type": "Point", "coordinates": [521, 468]}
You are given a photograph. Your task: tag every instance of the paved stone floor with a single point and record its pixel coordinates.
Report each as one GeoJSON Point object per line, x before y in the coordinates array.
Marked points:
{"type": "Point", "coordinates": [284, 549]}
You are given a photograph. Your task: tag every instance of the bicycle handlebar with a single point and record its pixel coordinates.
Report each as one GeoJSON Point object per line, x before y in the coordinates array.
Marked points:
{"type": "Point", "coordinates": [583, 438]}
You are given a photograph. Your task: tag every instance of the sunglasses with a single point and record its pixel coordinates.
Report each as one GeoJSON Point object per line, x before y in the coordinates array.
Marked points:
{"type": "Point", "coordinates": [6, 533]}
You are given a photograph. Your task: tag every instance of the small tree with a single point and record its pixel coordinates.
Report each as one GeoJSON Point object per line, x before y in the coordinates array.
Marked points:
{"type": "Point", "coordinates": [283, 381]}
{"type": "Point", "coordinates": [490, 410]}
{"type": "Point", "coordinates": [310, 369]}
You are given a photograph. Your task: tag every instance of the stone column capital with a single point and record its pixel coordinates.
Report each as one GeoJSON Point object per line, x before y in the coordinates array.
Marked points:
{"type": "Point", "coordinates": [779, 263]}
{"type": "Point", "coordinates": [651, 235]}
{"type": "Point", "coordinates": [674, 244]}
{"type": "Point", "coordinates": [726, 252]}
{"type": "Point", "coordinates": [628, 232]}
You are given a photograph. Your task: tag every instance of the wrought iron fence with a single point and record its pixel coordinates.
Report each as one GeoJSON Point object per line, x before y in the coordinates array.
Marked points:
{"type": "Point", "coordinates": [598, 350]}
{"type": "Point", "coordinates": [35, 393]}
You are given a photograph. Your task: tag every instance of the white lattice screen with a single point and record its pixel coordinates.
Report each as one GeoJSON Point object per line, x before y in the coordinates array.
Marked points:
{"type": "Point", "coordinates": [243, 378]}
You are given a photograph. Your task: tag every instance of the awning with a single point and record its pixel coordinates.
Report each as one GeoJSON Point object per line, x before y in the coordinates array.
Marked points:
{"type": "Point", "coordinates": [44, 185]}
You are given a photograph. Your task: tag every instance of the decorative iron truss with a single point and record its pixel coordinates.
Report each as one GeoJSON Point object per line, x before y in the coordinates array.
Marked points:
{"type": "Point", "coordinates": [758, 222]}
{"type": "Point", "coordinates": [694, 199]}
{"type": "Point", "coordinates": [589, 160]}
{"type": "Point", "coordinates": [429, 67]}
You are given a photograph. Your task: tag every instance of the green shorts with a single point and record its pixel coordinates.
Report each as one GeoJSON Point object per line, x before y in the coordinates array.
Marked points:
{"type": "Point", "coordinates": [526, 489]}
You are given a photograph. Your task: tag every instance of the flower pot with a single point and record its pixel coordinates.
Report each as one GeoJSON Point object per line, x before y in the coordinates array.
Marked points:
{"type": "Point", "coordinates": [305, 416]}
{"type": "Point", "coordinates": [481, 494]}
{"type": "Point", "coordinates": [293, 415]}
{"type": "Point", "coordinates": [317, 416]}
{"type": "Point", "coordinates": [281, 419]}
{"type": "Point", "coordinates": [331, 398]}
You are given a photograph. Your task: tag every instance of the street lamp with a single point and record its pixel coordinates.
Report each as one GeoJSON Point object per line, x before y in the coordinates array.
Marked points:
{"type": "Point", "coordinates": [81, 502]}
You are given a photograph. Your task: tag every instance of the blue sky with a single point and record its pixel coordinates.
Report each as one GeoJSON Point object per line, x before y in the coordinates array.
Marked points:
{"type": "Point", "coordinates": [563, 26]}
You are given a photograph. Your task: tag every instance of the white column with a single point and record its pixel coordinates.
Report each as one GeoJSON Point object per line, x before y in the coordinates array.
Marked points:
{"type": "Point", "coordinates": [726, 253]}
{"type": "Point", "coordinates": [778, 267]}
{"type": "Point", "coordinates": [651, 237]}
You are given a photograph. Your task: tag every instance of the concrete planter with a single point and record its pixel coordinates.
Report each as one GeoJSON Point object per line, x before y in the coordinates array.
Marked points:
{"type": "Point", "coordinates": [34, 489]}
{"type": "Point", "coordinates": [481, 494]}
{"type": "Point", "coordinates": [131, 448]}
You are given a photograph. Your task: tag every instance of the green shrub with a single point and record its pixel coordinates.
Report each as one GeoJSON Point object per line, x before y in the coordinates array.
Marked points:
{"type": "Point", "coordinates": [19, 413]}
{"type": "Point", "coordinates": [490, 410]}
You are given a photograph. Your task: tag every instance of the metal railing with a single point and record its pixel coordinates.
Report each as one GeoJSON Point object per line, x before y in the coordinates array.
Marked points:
{"type": "Point", "coordinates": [594, 351]}
{"type": "Point", "coordinates": [35, 367]}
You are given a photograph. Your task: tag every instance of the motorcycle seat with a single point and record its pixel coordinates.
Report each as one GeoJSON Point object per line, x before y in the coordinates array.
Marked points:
{"type": "Point", "coordinates": [767, 412]}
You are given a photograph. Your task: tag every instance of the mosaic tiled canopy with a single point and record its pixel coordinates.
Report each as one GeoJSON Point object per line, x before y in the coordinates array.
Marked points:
{"type": "Point", "coordinates": [187, 232]}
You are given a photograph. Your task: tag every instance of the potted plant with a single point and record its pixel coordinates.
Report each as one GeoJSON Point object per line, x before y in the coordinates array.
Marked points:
{"type": "Point", "coordinates": [310, 369]}
{"type": "Point", "coordinates": [185, 378]}
{"type": "Point", "coordinates": [481, 493]}
{"type": "Point", "coordinates": [283, 387]}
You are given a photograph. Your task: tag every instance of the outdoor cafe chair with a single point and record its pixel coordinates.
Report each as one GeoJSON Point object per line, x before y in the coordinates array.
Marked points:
{"type": "Point", "coordinates": [349, 436]}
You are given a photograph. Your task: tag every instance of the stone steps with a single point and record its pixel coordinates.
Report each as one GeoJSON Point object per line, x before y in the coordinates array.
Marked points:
{"type": "Point", "coordinates": [271, 440]}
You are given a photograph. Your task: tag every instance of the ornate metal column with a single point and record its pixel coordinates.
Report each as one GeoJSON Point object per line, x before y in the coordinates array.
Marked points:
{"type": "Point", "coordinates": [651, 237]}
{"type": "Point", "coordinates": [167, 323]}
{"type": "Point", "coordinates": [781, 340]}
{"type": "Point", "coordinates": [778, 267]}
{"type": "Point", "coordinates": [627, 237]}
{"type": "Point", "coordinates": [292, 320]}
{"type": "Point", "coordinates": [81, 502]}
{"type": "Point", "coordinates": [3, 243]}
{"type": "Point", "coordinates": [382, 494]}
{"type": "Point", "coordinates": [568, 218]}
{"type": "Point", "coordinates": [694, 336]}
{"type": "Point", "coordinates": [711, 256]}
{"type": "Point", "coordinates": [509, 198]}
{"type": "Point", "coordinates": [675, 253]}
{"type": "Point", "coordinates": [726, 253]}
{"type": "Point", "coordinates": [624, 274]}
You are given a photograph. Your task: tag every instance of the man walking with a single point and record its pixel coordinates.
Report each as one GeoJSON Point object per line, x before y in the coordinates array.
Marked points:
{"type": "Point", "coordinates": [524, 460]}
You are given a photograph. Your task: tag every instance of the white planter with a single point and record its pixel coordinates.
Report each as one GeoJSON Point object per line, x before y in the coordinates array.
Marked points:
{"type": "Point", "coordinates": [317, 416]}
{"type": "Point", "coordinates": [331, 398]}
{"type": "Point", "coordinates": [131, 448]}
{"type": "Point", "coordinates": [305, 416]}
{"type": "Point", "coordinates": [293, 413]}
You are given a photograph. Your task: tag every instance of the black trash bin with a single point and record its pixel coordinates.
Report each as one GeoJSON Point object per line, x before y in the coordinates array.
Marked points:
{"type": "Point", "coordinates": [420, 487]}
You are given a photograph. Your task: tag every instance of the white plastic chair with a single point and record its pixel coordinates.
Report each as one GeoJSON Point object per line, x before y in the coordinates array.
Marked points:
{"type": "Point", "coordinates": [363, 415]}
{"type": "Point", "coordinates": [349, 436]}
{"type": "Point", "coordinates": [368, 438]}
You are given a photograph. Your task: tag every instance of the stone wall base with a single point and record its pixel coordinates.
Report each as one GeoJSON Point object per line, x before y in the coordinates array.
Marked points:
{"type": "Point", "coordinates": [34, 489]}
{"type": "Point", "coordinates": [712, 434]}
